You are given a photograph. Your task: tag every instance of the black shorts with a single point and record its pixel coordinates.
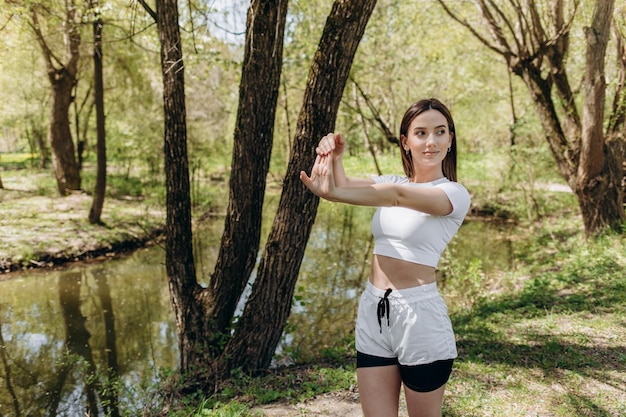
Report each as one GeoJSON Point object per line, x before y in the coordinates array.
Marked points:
{"type": "Point", "coordinates": [420, 378]}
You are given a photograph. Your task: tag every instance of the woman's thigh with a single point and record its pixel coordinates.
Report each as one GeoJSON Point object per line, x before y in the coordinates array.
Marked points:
{"type": "Point", "coordinates": [379, 390]}
{"type": "Point", "coordinates": [424, 404]}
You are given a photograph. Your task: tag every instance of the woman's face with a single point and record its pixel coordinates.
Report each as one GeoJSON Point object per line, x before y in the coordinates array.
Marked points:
{"type": "Point", "coordinates": [428, 139]}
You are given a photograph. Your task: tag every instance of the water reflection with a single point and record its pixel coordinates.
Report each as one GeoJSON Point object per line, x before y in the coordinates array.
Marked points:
{"type": "Point", "coordinates": [67, 336]}
{"type": "Point", "coordinates": [87, 340]}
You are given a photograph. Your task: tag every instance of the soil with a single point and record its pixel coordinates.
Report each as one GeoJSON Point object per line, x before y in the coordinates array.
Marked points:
{"type": "Point", "coordinates": [340, 403]}
{"type": "Point", "coordinates": [343, 403]}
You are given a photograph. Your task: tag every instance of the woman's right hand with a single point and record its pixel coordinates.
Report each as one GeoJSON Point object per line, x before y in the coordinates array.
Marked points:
{"type": "Point", "coordinates": [332, 144]}
{"type": "Point", "coordinates": [321, 181]}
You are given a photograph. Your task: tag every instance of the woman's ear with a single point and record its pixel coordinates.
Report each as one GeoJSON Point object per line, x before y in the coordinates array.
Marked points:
{"type": "Point", "coordinates": [403, 143]}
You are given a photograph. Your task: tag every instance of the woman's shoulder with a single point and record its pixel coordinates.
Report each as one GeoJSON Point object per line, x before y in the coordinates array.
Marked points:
{"type": "Point", "coordinates": [390, 178]}
{"type": "Point", "coordinates": [446, 183]}
{"type": "Point", "coordinates": [458, 196]}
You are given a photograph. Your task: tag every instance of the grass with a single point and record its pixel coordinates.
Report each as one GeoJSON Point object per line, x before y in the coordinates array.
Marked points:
{"type": "Point", "coordinates": [555, 346]}
{"type": "Point", "coordinates": [39, 228]}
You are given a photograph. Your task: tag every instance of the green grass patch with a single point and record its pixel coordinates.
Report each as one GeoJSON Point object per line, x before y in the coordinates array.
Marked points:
{"type": "Point", "coordinates": [19, 160]}
{"type": "Point", "coordinates": [554, 345]}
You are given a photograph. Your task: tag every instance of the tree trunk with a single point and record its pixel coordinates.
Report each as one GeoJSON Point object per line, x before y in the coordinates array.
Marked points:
{"type": "Point", "coordinates": [179, 262]}
{"type": "Point", "coordinates": [261, 325]}
{"type": "Point", "coordinates": [62, 80]}
{"type": "Point", "coordinates": [599, 170]}
{"type": "Point", "coordinates": [254, 131]}
{"type": "Point", "coordinates": [44, 153]}
{"type": "Point", "coordinates": [59, 134]}
{"type": "Point", "coordinates": [101, 175]}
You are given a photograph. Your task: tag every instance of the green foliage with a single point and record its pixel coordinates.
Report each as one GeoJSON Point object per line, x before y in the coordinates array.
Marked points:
{"type": "Point", "coordinates": [17, 160]}
{"type": "Point", "coordinates": [241, 392]}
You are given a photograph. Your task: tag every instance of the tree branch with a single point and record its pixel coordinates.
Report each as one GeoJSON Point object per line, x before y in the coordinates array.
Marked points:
{"type": "Point", "coordinates": [148, 9]}
{"type": "Point", "coordinates": [384, 127]}
{"type": "Point", "coordinates": [474, 32]}
{"type": "Point", "coordinates": [618, 111]}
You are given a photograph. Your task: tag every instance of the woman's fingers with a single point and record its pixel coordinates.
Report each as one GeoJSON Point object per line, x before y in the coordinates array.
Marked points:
{"type": "Point", "coordinates": [326, 145]}
{"type": "Point", "coordinates": [320, 181]}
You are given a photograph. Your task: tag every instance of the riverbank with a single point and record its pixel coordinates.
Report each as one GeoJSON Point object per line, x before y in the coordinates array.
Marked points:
{"type": "Point", "coordinates": [45, 231]}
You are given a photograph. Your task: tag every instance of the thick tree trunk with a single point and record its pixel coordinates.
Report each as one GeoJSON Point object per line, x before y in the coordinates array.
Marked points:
{"type": "Point", "coordinates": [62, 77]}
{"type": "Point", "coordinates": [179, 260]}
{"type": "Point", "coordinates": [261, 325]}
{"type": "Point", "coordinates": [599, 170]}
{"type": "Point", "coordinates": [254, 130]}
{"type": "Point", "coordinates": [101, 175]}
{"type": "Point", "coordinates": [59, 133]}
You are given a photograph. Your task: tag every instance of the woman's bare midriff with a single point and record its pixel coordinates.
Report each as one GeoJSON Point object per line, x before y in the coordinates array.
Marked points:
{"type": "Point", "coordinates": [398, 274]}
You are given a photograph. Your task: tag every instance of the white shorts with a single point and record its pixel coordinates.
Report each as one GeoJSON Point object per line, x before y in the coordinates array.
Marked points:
{"type": "Point", "coordinates": [414, 327]}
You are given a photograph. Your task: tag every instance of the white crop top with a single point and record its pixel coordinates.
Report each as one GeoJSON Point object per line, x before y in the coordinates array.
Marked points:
{"type": "Point", "coordinates": [414, 236]}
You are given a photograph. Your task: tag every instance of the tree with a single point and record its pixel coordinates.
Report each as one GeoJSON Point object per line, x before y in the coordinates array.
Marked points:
{"type": "Point", "coordinates": [62, 73]}
{"type": "Point", "coordinates": [179, 262]}
{"type": "Point", "coordinates": [98, 196]}
{"type": "Point", "coordinates": [534, 39]}
{"type": "Point", "coordinates": [210, 344]}
{"type": "Point", "coordinates": [270, 301]}
{"type": "Point", "coordinates": [253, 139]}
{"type": "Point", "coordinates": [199, 311]}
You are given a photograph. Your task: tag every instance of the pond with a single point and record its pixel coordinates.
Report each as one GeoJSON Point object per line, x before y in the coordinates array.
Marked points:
{"type": "Point", "coordinates": [115, 318]}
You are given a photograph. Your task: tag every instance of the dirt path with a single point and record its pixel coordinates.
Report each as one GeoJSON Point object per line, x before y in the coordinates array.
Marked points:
{"type": "Point", "coordinates": [341, 403]}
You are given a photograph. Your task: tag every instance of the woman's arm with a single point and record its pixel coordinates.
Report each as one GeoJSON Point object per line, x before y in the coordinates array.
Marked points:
{"type": "Point", "coordinates": [427, 200]}
{"type": "Point", "coordinates": [322, 183]}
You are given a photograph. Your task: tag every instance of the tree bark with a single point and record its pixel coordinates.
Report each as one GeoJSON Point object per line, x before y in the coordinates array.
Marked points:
{"type": "Point", "coordinates": [101, 174]}
{"type": "Point", "coordinates": [261, 324]}
{"type": "Point", "coordinates": [254, 131]}
{"type": "Point", "coordinates": [62, 80]}
{"type": "Point", "coordinates": [598, 178]}
{"type": "Point", "coordinates": [179, 262]}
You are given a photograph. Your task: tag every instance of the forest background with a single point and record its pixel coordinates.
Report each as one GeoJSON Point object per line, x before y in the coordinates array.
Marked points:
{"type": "Point", "coordinates": [402, 56]}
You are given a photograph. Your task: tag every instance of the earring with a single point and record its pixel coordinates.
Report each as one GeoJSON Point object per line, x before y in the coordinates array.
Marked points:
{"type": "Point", "coordinates": [449, 149]}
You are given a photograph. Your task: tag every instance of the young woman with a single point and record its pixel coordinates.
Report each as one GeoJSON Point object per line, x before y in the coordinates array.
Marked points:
{"type": "Point", "coordinates": [403, 332]}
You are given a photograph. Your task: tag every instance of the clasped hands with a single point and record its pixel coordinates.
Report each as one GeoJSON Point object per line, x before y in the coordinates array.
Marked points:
{"type": "Point", "coordinates": [322, 182]}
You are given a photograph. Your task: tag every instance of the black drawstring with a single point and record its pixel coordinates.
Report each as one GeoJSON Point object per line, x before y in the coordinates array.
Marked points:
{"type": "Point", "coordinates": [383, 308]}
